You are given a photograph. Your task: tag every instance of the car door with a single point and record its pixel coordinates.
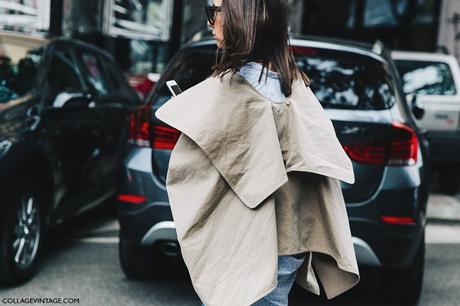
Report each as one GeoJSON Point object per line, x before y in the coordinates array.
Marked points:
{"type": "Point", "coordinates": [117, 108]}
{"type": "Point", "coordinates": [436, 86]}
{"type": "Point", "coordinates": [73, 127]}
{"type": "Point", "coordinates": [113, 98]}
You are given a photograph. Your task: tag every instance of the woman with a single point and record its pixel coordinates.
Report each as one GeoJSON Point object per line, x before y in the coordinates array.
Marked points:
{"type": "Point", "coordinates": [253, 181]}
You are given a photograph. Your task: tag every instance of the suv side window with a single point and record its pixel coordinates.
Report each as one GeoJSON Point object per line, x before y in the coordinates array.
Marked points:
{"type": "Point", "coordinates": [115, 75]}
{"type": "Point", "coordinates": [426, 78]}
{"type": "Point", "coordinates": [94, 73]}
{"type": "Point", "coordinates": [63, 76]}
{"type": "Point", "coordinates": [121, 93]}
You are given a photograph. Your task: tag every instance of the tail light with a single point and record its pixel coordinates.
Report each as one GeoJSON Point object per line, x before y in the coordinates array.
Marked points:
{"type": "Point", "coordinates": [400, 150]}
{"type": "Point", "coordinates": [404, 147]}
{"type": "Point", "coordinates": [130, 198]}
{"type": "Point", "coordinates": [398, 220]}
{"type": "Point", "coordinates": [164, 137]}
{"type": "Point", "coordinates": [139, 123]}
{"type": "Point", "coordinates": [142, 134]}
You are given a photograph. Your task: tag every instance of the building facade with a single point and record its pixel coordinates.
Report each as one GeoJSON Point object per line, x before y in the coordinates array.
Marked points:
{"type": "Point", "coordinates": [144, 34]}
{"type": "Point", "coordinates": [449, 27]}
{"type": "Point", "coordinates": [400, 24]}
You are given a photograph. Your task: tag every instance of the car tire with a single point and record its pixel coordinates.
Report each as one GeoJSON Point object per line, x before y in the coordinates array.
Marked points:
{"type": "Point", "coordinates": [20, 235]}
{"type": "Point", "coordinates": [449, 178]}
{"type": "Point", "coordinates": [405, 285]}
{"type": "Point", "coordinates": [136, 261]}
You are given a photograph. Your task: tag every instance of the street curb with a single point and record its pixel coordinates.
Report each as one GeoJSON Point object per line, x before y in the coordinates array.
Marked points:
{"type": "Point", "coordinates": [434, 220]}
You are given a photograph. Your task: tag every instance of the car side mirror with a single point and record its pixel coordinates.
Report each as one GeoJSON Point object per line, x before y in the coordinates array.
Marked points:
{"type": "Point", "coordinates": [73, 100]}
{"type": "Point", "coordinates": [417, 108]}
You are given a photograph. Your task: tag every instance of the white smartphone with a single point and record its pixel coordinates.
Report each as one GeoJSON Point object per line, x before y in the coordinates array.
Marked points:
{"type": "Point", "coordinates": [173, 87]}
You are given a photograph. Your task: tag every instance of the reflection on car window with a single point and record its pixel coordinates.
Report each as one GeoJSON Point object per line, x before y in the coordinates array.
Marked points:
{"type": "Point", "coordinates": [427, 78]}
{"type": "Point", "coordinates": [63, 76]}
{"type": "Point", "coordinates": [338, 79]}
{"type": "Point", "coordinates": [188, 69]}
{"type": "Point", "coordinates": [17, 77]}
{"type": "Point", "coordinates": [114, 75]}
{"type": "Point", "coordinates": [94, 73]}
{"type": "Point", "coordinates": [346, 80]}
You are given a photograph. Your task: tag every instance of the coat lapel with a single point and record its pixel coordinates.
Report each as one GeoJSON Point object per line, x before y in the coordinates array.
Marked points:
{"type": "Point", "coordinates": [235, 127]}
{"type": "Point", "coordinates": [236, 130]}
{"type": "Point", "coordinates": [310, 139]}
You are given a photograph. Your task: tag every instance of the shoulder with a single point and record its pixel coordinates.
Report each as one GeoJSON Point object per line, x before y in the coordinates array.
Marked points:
{"type": "Point", "coordinates": [215, 95]}
{"type": "Point", "coordinates": [230, 81]}
{"type": "Point", "coordinates": [230, 86]}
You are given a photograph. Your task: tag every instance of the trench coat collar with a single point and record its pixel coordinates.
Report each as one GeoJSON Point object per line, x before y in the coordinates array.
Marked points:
{"type": "Point", "coordinates": [233, 124]}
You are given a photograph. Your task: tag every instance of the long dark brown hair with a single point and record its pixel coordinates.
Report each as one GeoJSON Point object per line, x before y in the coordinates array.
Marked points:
{"type": "Point", "coordinates": [257, 30]}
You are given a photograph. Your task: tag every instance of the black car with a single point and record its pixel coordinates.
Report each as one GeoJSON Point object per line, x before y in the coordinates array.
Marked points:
{"type": "Point", "coordinates": [64, 111]}
{"type": "Point", "coordinates": [358, 86]}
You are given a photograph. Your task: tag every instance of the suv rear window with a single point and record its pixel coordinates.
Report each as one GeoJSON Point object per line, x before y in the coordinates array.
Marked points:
{"type": "Point", "coordinates": [188, 68]}
{"type": "Point", "coordinates": [426, 78]}
{"type": "Point", "coordinates": [339, 79]}
{"type": "Point", "coordinates": [346, 80]}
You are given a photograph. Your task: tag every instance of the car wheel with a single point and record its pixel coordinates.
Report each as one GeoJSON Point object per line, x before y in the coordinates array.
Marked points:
{"type": "Point", "coordinates": [405, 285]}
{"type": "Point", "coordinates": [20, 235]}
{"type": "Point", "coordinates": [449, 178]}
{"type": "Point", "coordinates": [137, 261]}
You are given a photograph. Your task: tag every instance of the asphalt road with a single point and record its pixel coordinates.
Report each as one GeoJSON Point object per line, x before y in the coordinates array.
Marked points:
{"type": "Point", "coordinates": [80, 260]}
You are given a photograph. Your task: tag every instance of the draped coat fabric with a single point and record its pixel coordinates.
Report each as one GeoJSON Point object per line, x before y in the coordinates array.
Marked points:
{"type": "Point", "coordinates": [249, 180]}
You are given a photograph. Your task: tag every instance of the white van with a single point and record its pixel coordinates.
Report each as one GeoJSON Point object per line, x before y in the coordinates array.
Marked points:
{"type": "Point", "coordinates": [433, 81]}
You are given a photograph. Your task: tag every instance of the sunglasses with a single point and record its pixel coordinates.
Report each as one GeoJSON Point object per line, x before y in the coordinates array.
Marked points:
{"type": "Point", "coordinates": [211, 13]}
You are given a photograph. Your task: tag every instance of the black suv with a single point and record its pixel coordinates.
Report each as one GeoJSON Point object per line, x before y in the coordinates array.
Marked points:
{"type": "Point", "coordinates": [359, 88]}
{"type": "Point", "coordinates": [64, 111]}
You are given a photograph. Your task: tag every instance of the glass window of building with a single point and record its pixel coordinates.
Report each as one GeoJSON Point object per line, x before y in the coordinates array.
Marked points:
{"type": "Point", "coordinates": [26, 16]}
{"type": "Point", "coordinates": [400, 24]}
{"type": "Point", "coordinates": [138, 19]}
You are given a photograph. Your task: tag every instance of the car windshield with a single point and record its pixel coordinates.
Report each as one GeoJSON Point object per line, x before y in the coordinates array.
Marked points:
{"type": "Point", "coordinates": [17, 74]}
{"type": "Point", "coordinates": [427, 78]}
{"type": "Point", "coordinates": [339, 79]}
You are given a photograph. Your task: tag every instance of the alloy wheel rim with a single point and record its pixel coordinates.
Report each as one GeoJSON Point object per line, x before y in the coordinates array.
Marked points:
{"type": "Point", "coordinates": [27, 232]}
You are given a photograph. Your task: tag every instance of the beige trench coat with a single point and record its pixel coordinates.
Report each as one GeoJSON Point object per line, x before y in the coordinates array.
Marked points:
{"type": "Point", "coordinates": [235, 151]}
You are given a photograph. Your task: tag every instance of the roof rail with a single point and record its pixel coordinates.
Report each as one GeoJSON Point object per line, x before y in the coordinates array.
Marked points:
{"type": "Point", "coordinates": [442, 49]}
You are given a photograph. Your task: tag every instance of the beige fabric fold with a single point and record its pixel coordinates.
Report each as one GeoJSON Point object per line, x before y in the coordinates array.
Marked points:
{"type": "Point", "coordinates": [249, 180]}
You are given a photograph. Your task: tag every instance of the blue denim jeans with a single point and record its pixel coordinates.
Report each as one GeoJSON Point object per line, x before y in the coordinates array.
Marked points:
{"type": "Point", "coordinates": [287, 271]}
